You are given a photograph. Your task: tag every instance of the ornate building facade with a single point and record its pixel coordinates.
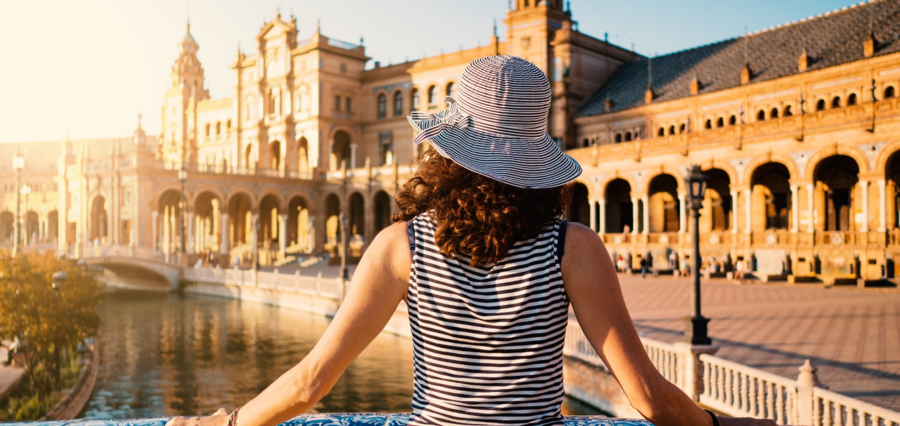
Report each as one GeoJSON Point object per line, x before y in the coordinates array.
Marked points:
{"type": "Point", "coordinates": [794, 125]}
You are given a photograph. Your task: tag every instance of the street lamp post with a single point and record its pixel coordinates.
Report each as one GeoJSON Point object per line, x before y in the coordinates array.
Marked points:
{"type": "Point", "coordinates": [26, 190]}
{"type": "Point", "coordinates": [344, 246]}
{"type": "Point", "coordinates": [18, 165]}
{"type": "Point", "coordinates": [695, 326]}
{"type": "Point", "coordinates": [182, 177]}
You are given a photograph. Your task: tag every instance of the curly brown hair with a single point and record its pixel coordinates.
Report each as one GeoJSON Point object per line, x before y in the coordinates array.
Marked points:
{"type": "Point", "coordinates": [477, 217]}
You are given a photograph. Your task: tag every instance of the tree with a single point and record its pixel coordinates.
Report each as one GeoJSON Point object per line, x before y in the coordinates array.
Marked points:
{"type": "Point", "coordinates": [49, 321]}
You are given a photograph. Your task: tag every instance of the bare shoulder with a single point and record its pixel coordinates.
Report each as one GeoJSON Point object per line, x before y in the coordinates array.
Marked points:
{"type": "Point", "coordinates": [390, 248]}
{"type": "Point", "coordinates": [585, 254]}
{"type": "Point", "coordinates": [580, 238]}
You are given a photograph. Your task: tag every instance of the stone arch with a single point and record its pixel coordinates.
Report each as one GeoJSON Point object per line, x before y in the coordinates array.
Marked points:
{"type": "Point", "coordinates": [169, 210]}
{"type": "Point", "coordinates": [579, 210]}
{"type": "Point", "coordinates": [884, 156]}
{"type": "Point", "coordinates": [192, 201]}
{"type": "Point", "coordinates": [770, 197]}
{"type": "Point", "coordinates": [275, 160]}
{"type": "Point", "coordinates": [723, 166]}
{"type": "Point", "coordinates": [618, 194]}
{"type": "Point", "coordinates": [270, 209]}
{"type": "Point", "coordinates": [240, 207]}
{"type": "Point", "coordinates": [208, 208]}
{"type": "Point", "coordinates": [664, 205]}
{"type": "Point", "coordinates": [340, 154]}
{"type": "Point", "coordinates": [663, 170]}
{"type": "Point", "coordinates": [718, 203]}
{"type": "Point", "coordinates": [381, 210]}
{"type": "Point", "coordinates": [356, 220]}
{"type": "Point", "coordinates": [836, 180]}
{"type": "Point", "coordinates": [861, 161]}
{"type": "Point", "coordinates": [302, 156]}
{"type": "Point", "coordinates": [300, 230]}
{"type": "Point", "coordinates": [242, 192]}
{"type": "Point", "coordinates": [632, 182]}
{"type": "Point", "coordinates": [332, 215]}
{"type": "Point", "coordinates": [758, 161]}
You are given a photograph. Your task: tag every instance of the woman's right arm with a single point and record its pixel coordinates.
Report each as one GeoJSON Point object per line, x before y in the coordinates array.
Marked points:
{"type": "Point", "coordinates": [593, 289]}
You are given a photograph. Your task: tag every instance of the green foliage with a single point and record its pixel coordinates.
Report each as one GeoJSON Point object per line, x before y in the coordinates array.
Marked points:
{"type": "Point", "coordinates": [23, 405]}
{"type": "Point", "coordinates": [53, 322]}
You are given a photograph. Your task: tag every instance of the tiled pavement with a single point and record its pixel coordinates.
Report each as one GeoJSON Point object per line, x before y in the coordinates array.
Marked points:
{"type": "Point", "coordinates": [852, 336]}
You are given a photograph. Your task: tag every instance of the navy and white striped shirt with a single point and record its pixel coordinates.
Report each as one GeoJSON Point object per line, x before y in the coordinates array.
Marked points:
{"type": "Point", "coordinates": [487, 340]}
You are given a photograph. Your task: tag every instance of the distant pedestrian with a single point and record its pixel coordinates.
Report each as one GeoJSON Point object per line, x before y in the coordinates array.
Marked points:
{"type": "Point", "coordinates": [739, 271]}
{"type": "Point", "coordinates": [12, 350]}
{"type": "Point", "coordinates": [643, 267]}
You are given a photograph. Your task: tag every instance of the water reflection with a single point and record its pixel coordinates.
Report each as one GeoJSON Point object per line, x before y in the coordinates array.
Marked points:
{"type": "Point", "coordinates": [163, 354]}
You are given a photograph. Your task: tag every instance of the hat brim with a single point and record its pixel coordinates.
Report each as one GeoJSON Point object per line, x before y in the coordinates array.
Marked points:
{"type": "Point", "coordinates": [534, 164]}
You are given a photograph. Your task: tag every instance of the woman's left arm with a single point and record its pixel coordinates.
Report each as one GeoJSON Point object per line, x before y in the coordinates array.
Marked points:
{"type": "Point", "coordinates": [379, 284]}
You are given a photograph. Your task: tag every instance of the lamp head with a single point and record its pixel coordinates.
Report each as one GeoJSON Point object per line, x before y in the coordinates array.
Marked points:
{"type": "Point", "coordinates": [18, 162]}
{"type": "Point", "coordinates": [697, 184]}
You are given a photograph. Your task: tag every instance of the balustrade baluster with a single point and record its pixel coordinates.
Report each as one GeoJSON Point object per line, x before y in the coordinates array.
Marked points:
{"type": "Point", "coordinates": [779, 403]}
{"type": "Point", "coordinates": [826, 413]}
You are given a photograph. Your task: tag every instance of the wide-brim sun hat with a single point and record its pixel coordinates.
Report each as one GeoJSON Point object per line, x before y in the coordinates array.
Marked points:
{"type": "Point", "coordinates": [498, 126]}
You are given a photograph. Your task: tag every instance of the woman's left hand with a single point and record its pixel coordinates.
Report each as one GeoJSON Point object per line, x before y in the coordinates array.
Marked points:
{"type": "Point", "coordinates": [219, 418]}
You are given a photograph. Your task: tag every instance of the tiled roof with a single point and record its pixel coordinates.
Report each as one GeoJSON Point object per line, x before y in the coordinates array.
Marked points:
{"type": "Point", "coordinates": [830, 39]}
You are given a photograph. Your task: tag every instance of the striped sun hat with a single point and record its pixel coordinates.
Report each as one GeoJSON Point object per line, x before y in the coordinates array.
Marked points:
{"type": "Point", "coordinates": [498, 126]}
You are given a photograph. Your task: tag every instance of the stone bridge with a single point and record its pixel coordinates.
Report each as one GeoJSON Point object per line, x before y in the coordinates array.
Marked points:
{"type": "Point", "coordinates": [132, 268]}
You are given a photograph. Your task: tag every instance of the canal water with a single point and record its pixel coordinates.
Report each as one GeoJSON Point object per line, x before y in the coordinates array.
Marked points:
{"type": "Point", "coordinates": [164, 354]}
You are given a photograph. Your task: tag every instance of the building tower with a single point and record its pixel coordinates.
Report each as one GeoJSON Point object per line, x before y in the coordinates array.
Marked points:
{"type": "Point", "coordinates": [178, 134]}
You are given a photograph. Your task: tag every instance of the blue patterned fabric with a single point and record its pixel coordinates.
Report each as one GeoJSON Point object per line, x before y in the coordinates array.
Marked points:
{"type": "Point", "coordinates": [347, 419]}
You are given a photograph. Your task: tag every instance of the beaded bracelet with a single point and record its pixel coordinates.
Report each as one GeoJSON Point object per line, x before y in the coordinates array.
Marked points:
{"type": "Point", "coordinates": [232, 420]}
{"type": "Point", "coordinates": [714, 418]}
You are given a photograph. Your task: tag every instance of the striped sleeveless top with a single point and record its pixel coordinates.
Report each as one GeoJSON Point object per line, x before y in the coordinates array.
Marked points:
{"type": "Point", "coordinates": [487, 340]}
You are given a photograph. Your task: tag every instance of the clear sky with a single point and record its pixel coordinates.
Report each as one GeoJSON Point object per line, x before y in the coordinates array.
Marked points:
{"type": "Point", "coordinates": [92, 65]}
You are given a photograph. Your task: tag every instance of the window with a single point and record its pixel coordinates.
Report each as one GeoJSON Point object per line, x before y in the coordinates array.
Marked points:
{"type": "Point", "coordinates": [228, 125]}
{"type": "Point", "coordinates": [720, 122]}
{"type": "Point", "coordinates": [451, 89]}
{"type": "Point", "coordinates": [414, 96]}
{"type": "Point", "coordinates": [836, 102]}
{"type": "Point", "coordinates": [851, 100]}
{"type": "Point", "coordinates": [431, 95]}
{"type": "Point", "coordinates": [761, 115]}
{"type": "Point", "coordinates": [382, 106]}
{"type": "Point", "coordinates": [820, 106]}
{"type": "Point", "coordinates": [627, 136]}
{"type": "Point", "coordinates": [618, 137]}
{"type": "Point", "coordinates": [788, 112]}
{"type": "Point", "coordinates": [337, 103]}
{"type": "Point", "coordinates": [732, 120]}
{"type": "Point", "coordinates": [889, 92]}
{"type": "Point", "coordinates": [207, 129]}
{"type": "Point", "coordinates": [773, 113]}
{"type": "Point", "coordinates": [348, 103]}
{"type": "Point", "coordinates": [398, 103]}
{"type": "Point", "coordinates": [671, 130]}
{"type": "Point", "coordinates": [218, 128]}
{"type": "Point", "coordinates": [682, 128]}
{"type": "Point", "coordinates": [708, 124]}
{"type": "Point", "coordinates": [661, 132]}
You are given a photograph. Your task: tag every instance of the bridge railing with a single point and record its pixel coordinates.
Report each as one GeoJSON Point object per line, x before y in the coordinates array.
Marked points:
{"type": "Point", "coordinates": [738, 390]}
{"type": "Point", "coordinates": [326, 287]}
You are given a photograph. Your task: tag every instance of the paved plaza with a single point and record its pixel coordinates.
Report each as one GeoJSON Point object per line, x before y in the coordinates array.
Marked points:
{"type": "Point", "coordinates": [852, 336]}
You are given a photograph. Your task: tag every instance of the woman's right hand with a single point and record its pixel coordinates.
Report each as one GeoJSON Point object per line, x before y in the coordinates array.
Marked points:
{"type": "Point", "coordinates": [745, 421]}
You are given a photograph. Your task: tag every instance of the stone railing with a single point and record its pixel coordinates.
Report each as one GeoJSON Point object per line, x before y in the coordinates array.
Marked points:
{"type": "Point", "coordinates": [737, 390]}
{"type": "Point", "coordinates": [331, 288]}
{"type": "Point", "coordinates": [347, 419]}
{"type": "Point", "coordinates": [829, 408]}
